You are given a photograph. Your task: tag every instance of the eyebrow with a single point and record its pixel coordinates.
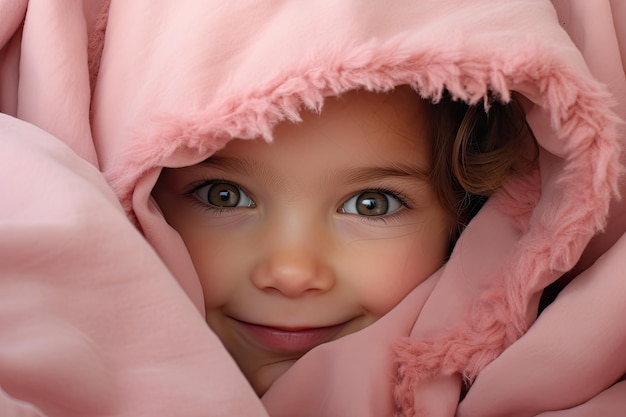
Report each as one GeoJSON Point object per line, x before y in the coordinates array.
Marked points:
{"type": "Point", "coordinates": [350, 175]}
{"type": "Point", "coordinates": [366, 174]}
{"type": "Point", "coordinates": [241, 165]}
{"type": "Point", "coordinates": [247, 167]}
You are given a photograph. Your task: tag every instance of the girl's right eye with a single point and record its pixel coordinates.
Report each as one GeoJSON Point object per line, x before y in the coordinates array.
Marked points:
{"type": "Point", "coordinates": [223, 195]}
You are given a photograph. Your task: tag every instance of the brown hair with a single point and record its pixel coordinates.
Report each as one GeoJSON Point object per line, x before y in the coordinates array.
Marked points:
{"type": "Point", "coordinates": [474, 150]}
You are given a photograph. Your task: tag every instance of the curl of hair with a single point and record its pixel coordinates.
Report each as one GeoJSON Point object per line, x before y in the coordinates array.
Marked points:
{"type": "Point", "coordinates": [474, 149]}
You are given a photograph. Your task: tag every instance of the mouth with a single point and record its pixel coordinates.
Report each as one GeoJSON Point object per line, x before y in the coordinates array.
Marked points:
{"type": "Point", "coordinates": [287, 340]}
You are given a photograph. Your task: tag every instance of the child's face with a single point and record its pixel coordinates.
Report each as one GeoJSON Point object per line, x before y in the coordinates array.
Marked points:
{"type": "Point", "coordinates": [314, 236]}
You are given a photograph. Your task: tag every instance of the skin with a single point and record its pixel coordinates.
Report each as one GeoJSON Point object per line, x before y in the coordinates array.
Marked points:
{"type": "Point", "coordinates": [315, 235]}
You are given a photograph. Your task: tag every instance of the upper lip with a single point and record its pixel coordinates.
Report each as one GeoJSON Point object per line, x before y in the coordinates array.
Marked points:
{"type": "Point", "coordinates": [288, 339]}
{"type": "Point", "coordinates": [290, 328]}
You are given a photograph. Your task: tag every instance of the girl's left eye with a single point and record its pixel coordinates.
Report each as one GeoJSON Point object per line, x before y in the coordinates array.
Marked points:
{"type": "Point", "coordinates": [371, 203]}
{"type": "Point", "coordinates": [223, 195]}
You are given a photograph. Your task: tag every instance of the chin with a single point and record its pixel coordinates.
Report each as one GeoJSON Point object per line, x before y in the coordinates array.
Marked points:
{"type": "Point", "coordinates": [266, 375]}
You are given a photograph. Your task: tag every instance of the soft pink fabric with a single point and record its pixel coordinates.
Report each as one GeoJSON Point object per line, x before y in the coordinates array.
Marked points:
{"type": "Point", "coordinates": [91, 321]}
{"type": "Point", "coordinates": [576, 348]}
{"type": "Point", "coordinates": [174, 81]}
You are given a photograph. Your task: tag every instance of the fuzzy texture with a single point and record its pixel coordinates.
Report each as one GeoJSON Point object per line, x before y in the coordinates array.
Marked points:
{"type": "Point", "coordinates": [585, 141]}
{"type": "Point", "coordinates": [548, 247]}
{"type": "Point", "coordinates": [142, 85]}
{"type": "Point", "coordinates": [96, 43]}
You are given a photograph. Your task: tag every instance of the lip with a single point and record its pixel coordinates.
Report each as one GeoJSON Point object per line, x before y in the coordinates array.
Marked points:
{"type": "Point", "coordinates": [288, 340]}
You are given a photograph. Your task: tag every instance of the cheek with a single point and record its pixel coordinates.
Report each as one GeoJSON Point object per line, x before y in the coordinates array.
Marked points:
{"type": "Point", "coordinates": [215, 244]}
{"type": "Point", "coordinates": [216, 261]}
{"type": "Point", "coordinates": [387, 270]}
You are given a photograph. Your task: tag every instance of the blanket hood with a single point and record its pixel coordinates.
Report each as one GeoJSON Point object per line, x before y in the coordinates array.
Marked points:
{"type": "Point", "coordinates": [174, 82]}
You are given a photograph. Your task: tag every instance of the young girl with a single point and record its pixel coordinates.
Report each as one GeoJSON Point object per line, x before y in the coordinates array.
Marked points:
{"type": "Point", "coordinates": [248, 78]}
{"type": "Point", "coordinates": [321, 260]}
{"type": "Point", "coordinates": [326, 229]}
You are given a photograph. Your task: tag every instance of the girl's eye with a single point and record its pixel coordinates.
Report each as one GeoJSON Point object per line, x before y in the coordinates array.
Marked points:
{"type": "Point", "coordinates": [371, 203]}
{"type": "Point", "coordinates": [223, 195]}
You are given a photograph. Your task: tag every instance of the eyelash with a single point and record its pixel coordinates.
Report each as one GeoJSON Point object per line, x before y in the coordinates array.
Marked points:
{"type": "Point", "coordinates": [214, 210]}
{"type": "Point", "coordinates": [385, 218]}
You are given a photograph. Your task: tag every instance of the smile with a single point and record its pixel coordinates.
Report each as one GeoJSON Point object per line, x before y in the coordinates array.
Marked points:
{"type": "Point", "coordinates": [287, 340]}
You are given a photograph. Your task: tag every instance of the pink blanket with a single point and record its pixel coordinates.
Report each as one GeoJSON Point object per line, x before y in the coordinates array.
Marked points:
{"type": "Point", "coordinates": [101, 312]}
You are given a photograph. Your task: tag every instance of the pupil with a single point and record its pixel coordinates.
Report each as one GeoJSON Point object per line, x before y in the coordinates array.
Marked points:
{"type": "Point", "coordinates": [225, 195]}
{"type": "Point", "coordinates": [370, 204]}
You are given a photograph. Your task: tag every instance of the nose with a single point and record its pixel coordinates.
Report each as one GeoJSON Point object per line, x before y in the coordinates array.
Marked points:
{"type": "Point", "coordinates": [294, 272]}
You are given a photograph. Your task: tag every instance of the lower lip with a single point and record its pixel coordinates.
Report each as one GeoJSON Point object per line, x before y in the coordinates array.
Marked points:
{"type": "Point", "coordinates": [289, 341]}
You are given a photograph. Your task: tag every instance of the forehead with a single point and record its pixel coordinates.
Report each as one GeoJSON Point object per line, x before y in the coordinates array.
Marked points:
{"type": "Point", "coordinates": [357, 127]}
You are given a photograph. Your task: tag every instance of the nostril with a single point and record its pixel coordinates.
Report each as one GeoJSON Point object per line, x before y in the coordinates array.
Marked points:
{"type": "Point", "coordinates": [293, 274]}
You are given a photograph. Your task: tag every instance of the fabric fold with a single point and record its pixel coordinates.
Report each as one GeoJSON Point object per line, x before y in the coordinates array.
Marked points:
{"type": "Point", "coordinates": [100, 291]}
